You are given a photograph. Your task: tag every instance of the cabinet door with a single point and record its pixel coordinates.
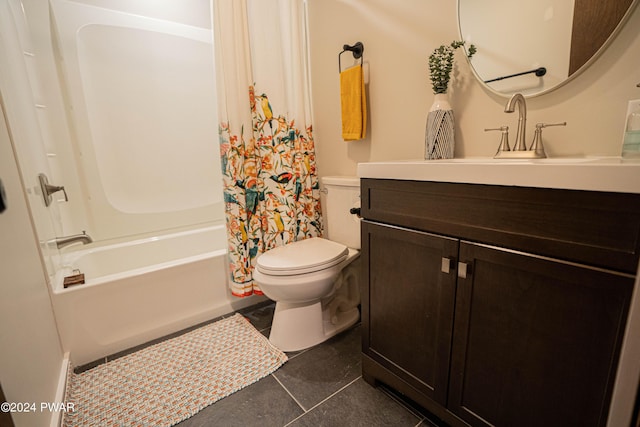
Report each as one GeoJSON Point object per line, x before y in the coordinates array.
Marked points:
{"type": "Point", "coordinates": [407, 304]}
{"type": "Point", "coordinates": [536, 341]}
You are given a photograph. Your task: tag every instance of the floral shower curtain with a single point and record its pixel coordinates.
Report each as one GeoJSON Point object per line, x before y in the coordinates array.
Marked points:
{"type": "Point", "coordinates": [270, 183]}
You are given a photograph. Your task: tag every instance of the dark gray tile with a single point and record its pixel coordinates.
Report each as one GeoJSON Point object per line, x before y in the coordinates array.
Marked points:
{"type": "Point", "coordinates": [428, 423]}
{"type": "Point", "coordinates": [359, 404]}
{"type": "Point", "coordinates": [292, 354]}
{"type": "Point", "coordinates": [264, 403]}
{"type": "Point", "coordinates": [319, 372]}
{"type": "Point", "coordinates": [428, 419]}
{"type": "Point", "coordinates": [266, 332]}
{"type": "Point", "coordinates": [260, 315]}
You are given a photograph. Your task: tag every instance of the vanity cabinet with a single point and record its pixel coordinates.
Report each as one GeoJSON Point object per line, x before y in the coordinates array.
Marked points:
{"type": "Point", "coordinates": [497, 306]}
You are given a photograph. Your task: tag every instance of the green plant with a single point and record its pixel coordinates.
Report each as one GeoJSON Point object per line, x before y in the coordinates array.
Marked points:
{"type": "Point", "coordinates": [441, 64]}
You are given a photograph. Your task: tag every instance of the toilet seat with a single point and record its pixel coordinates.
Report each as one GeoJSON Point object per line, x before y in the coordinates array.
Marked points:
{"type": "Point", "coordinates": [304, 256]}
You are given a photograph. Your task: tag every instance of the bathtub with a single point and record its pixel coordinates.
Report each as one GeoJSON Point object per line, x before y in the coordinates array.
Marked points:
{"type": "Point", "coordinates": [140, 290]}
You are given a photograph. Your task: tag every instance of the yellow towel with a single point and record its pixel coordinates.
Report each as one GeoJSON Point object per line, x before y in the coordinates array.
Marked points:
{"type": "Point", "coordinates": [354, 104]}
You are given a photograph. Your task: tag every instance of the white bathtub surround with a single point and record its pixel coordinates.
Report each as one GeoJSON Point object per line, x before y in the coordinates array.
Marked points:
{"type": "Point", "coordinates": [141, 290]}
{"type": "Point", "coordinates": [268, 158]}
{"type": "Point", "coordinates": [138, 81]}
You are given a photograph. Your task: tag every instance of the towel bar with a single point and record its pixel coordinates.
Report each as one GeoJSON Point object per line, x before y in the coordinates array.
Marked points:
{"type": "Point", "coordinates": [357, 50]}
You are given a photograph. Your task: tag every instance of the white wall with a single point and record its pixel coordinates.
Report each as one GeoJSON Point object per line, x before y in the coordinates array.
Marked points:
{"type": "Point", "coordinates": [399, 36]}
{"type": "Point", "coordinates": [24, 108]}
{"type": "Point", "coordinates": [130, 122]}
{"type": "Point", "coordinates": [31, 359]}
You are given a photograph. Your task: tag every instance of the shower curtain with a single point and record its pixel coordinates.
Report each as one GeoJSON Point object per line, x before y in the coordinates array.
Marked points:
{"type": "Point", "coordinates": [270, 184]}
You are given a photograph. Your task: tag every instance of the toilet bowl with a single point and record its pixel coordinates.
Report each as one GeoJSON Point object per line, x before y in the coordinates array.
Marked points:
{"type": "Point", "coordinates": [315, 281]}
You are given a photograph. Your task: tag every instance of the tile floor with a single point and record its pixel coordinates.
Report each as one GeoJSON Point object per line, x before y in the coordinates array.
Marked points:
{"type": "Point", "coordinates": [321, 386]}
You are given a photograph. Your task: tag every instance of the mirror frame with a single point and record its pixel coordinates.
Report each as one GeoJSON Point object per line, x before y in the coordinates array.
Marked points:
{"type": "Point", "coordinates": [579, 71]}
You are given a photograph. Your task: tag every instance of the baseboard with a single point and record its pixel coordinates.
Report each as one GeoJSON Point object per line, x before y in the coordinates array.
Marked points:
{"type": "Point", "coordinates": [63, 377]}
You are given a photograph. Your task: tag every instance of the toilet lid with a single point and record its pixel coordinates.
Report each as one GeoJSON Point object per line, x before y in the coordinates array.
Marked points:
{"type": "Point", "coordinates": [304, 256]}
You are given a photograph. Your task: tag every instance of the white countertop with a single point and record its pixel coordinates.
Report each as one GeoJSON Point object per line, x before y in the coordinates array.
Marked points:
{"type": "Point", "coordinates": [588, 173]}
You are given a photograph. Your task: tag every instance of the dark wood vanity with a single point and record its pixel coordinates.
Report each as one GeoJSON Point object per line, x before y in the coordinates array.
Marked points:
{"type": "Point", "coordinates": [495, 305]}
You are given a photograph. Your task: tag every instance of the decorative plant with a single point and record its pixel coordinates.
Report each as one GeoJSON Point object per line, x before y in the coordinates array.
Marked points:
{"type": "Point", "coordinates": [441, 64]}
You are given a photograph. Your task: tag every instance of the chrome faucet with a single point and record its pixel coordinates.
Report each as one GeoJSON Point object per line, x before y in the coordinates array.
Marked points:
{"type": "Point", "coordinates": [83, 238]}
{"type": "Point", "coordinates": [518, 100]}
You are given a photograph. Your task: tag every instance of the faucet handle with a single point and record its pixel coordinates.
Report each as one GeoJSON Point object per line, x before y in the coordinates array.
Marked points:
{"type": "Point", "coordinates": [48, 189]}
{"type": "Point", "coordinates": [55, 188]}
{"type": "Point", "coordinates": [536, 144]}
{"type": "Point", "coordinates": [546, 125]}
{"type": "Point", "coordinates": [504, 140]}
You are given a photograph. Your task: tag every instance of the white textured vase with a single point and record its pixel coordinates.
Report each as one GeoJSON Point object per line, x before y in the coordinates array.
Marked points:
{"type": "Point", "coordinates": [439, 140]}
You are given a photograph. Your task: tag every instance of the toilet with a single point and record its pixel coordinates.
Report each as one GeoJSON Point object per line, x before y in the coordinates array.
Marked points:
{"type": "Point", "coordinates": [314, 282]}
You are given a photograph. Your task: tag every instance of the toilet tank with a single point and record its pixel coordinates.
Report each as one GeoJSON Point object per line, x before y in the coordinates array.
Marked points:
{"type": "Point", "coordinates": [342, 194]}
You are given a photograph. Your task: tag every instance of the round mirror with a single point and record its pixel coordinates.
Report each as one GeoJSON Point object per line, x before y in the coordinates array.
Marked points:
{"type": "Point", "coordinates": [533, 47]}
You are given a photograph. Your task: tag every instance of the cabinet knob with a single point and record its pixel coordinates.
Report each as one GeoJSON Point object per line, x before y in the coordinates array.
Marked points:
{"type": "Point", "coordinates": [463, 270]}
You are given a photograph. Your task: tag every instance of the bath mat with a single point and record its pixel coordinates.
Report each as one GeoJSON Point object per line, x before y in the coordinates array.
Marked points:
{"type": "Point", "coordinates": [168, 382]}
